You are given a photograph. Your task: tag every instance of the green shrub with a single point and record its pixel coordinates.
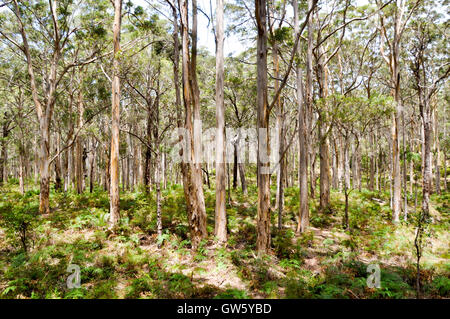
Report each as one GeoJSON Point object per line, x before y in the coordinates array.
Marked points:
{"type": "Point", "coordinates": [296, 288]}
{"type": "Point", "coordinates": [232, 293]}
{"type": "Point", "coordinates": [19, 220]}
{"type": "Point", "coordinates": [440, 286]}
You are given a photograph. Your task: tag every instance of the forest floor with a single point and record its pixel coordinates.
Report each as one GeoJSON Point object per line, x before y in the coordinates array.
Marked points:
{"type": "Point", "coordinates": [325, 262]}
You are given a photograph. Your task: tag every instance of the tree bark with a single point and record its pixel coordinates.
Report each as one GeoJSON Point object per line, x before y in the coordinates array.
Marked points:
{"type": "Point", "coordinates": [44, 165]}
{"type": "Point", "coordinates": [44, 111]}
{"type": "Point", "coordinates": [220, 230]}
{"type": "Point", "coordinates": [263, 168]}
{"type": "Point", "coordinates": [192, 173]}
{"type": "Point", "coordinates": [58, 173]}
{"type": "Point", "coordinates": [322, 77]}
{"type": "Point", "coordinates": [426, 153]}
{"type": "Point", "coordinates": [437, 154]}
{"type": "Point", "coordinates": [4, 150]}
{"type": "Point", "coordinates": [115, 120]}
{"type": "Point", "coordinates": [79, 145]}
{"type": "Point", "coordinates": [235, 166]}
{"type": "Point", "coordinates": [303, 218]}
{"type": "Point", "coordinates": [394, 67]}
{"type": "Point", "coordinates": [92, 165]}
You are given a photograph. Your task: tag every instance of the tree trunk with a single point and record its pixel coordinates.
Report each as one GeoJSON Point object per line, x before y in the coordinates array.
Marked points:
{"type": "Point", "coordinates": [79, 145]}
{"type": "Point", "coordinates": [242, 178]}
{"type": "Point", "coordinates": [158, 158]}
{"type": "Point", "coordinates": [426, 153]}
{"type": "Point", "coordinates": [346, 164]}
{"type": "Point", "coordinates": [235, 166]}
{"type": "Point", "coordinates": [312, 173]}
{"type": "Point", "coordinates": [335, 165]}
{"type": "Point", "coordinates": [91, 166]}
{"type": "Point", "coordinates": [21, 169]}
{"type": "Point", "coordinates": [164, 169]}
{"type": "Point", "coordinates": [324, 169]}
{"type": "Point", "coordinates": [158, 195]}
{"type": "Point", "coordinates": [192, 173]}
{"type": "Point", "coordinates": [445, 171]}
{"type": "Point", "coordinates": [411, 167]}
{"type": "Point", "coordinates": [148, 152]}
{"type": "Point", "coordinates": [405, 191]}
{"type": "Point", "coordinates": [115, 121]}
{"type": "Point", "coordinates": [220, 229]}
{"type": "Point", "coordinates": [4, 151]}
{"type": "Point", "coordinates": [44, 165]}
{"type": "Point", "coordinates": [396, 197]}
{"type": "Point", "coordinates": [58, 173]}
{"type": "Point", "coordinates": [437, 155]}
{"type": "Point", "coordinates": [322, 75]}
{"type": "Point", "coordinates": [263, 168]}
{"type": "Point", "coordinates": [303, 218]}
{"type": "Point", "coordinates": [279, 200]}
{"type": "Point", "coordinates": [372, 163]}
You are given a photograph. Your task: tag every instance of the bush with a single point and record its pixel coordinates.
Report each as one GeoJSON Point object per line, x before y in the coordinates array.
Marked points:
{"type": "Point", "coordinates": [19, 220]}
{"type": "Point", "coordinates": [440, 286]}
{"type": "Point", "coordinates": [284, 247]}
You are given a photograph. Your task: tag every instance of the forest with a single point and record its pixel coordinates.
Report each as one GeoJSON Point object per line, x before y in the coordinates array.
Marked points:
{"type": "Point", "coordinates": [224, 149]}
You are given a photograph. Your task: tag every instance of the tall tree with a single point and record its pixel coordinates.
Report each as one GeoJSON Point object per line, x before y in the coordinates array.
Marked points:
{"type": "Point", "coordinates": [53, 41]}
{"type": "Point", "coordinates": [400, 18]}
{"type": "Point", "coordinates": [303, 218]}
{"type": "Point", "coordinates": [115, 119]}
{"type": "Point", "coordinates": [220, 229]}
{"type": "Point", "coordinates": [428, 74]}
{"type": "Point", "coordinates": [263, 223]}
{"type": "Point", "coordinates": [192, 174]}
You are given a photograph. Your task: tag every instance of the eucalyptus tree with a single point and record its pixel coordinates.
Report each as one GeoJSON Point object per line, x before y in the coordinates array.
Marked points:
{"type": "Point", "coordinates": [192, 173]}
{"type": "Point", "coordinates": [393, 20]}
{"type": "Point", "coordinates": [329, 25]}
{"type": "Point", "coordinates": [303, 218]}
{"type": "Point", "coordinates": [430, 66]}
{"type": "Point", "coordinates": [16, 124]}
{"type": "Point", "coordinates": [43, 33]}
{"type": "Point", "coordinates": [276, 29]}
{"type": "Point", "coordinates": [142, 73]}
{"type": "Point", "coordinates": [6, 121]}
{"type": "Point", "coordinates": [263, 115]}
{"type": "Point", "coordinates": [115, 118]}
{"type": "Point", "coordinates": [220, 230]}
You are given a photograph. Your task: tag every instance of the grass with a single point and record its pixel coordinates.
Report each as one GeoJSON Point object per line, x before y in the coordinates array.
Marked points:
{"type": "Point", "coordinates": [325, 262]}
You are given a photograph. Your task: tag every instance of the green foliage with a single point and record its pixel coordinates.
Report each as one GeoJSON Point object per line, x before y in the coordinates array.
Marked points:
{"type": "Point", "coordinates": [19, 219]}
{"type": "Point", "coordinates": [201, 252]}
{"type": "Point", "coordinates": [392, 286]}
{"type": "Point", "coordinates": [320, 220]}
{"type": "Point", "coordinates": [232, 293]}
{"type": "Point", "coordinates": [301, 266]}
{"type": "Point", "coordinates": [440, 286]}
{"type": "Point", "coordinates": [296, 288]}
{"type": "Point", "coordinates": [284, 246]}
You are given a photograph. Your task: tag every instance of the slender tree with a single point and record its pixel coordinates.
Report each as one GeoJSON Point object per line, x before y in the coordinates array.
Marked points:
{"type": "Point", "coordinates": [220, 230]}
{"type": "Point", "coordinates": [192, 174]}
{"type": "Point", "coordinates": [115, 119]}
{"type": "Point", "coordinates": [303, 218]}
{"type": "Point", "coordinates": [263, 177]}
